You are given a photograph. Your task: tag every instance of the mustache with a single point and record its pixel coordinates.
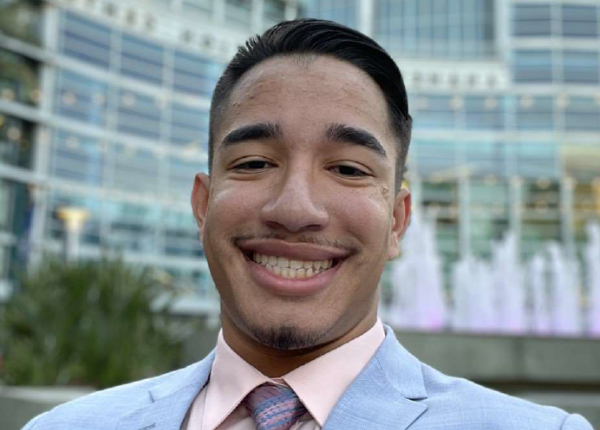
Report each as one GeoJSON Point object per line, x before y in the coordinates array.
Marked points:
{"type": "Point", "coordinates": [239, 238]}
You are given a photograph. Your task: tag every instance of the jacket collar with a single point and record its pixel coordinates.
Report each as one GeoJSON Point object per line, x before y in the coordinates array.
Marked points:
{"type": "Point", "coordinates": [171, 400]}
{"type": "Point", "coordinates": [386, 395]}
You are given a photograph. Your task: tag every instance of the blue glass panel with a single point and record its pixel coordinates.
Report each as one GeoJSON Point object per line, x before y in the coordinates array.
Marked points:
{"type": "Point", "coordinates": [135, 169]}
{"type": "Point", "coordinates": [189, 125]}
{"type": "Point", "coordinates": [485, 113]}
{"type": "Point", "coordinates": [434, 112]}
{"type": "Point", "coordinates": [434, 155]}
{"type": "Point", "coordinates": [181, 234]}
{"type": "Point", "coordinates": [581, 67]}
{"type": "Point", "coordinates": [81, 98]}
{"type": "Point", "coordinates": [582, 113]}
{"type": "Point", "coordinates": [132, 227]}
{"type": "Point", "coordinates": [85, 40]}
{"type": "Point", "coordinates": [579, 21]}
{"type": "Point", "coordinates": [77, 158]}
{"type": "Point", "coordinates": [141, 59]}
{"type": "Point", "coordinates": [532, 20]}
{"type": "Point", "coordinates": [195, 75]}
{"type": "Point", "coordinates": [532, 66]}
{"type": "Point", "coordinates": [535, 113]}
{"type": "Point", "coordinates": [139, 114]}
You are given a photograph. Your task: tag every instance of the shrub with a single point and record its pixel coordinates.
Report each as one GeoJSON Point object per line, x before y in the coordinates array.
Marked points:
{"type": "Point", "coordinates": [93, 323]}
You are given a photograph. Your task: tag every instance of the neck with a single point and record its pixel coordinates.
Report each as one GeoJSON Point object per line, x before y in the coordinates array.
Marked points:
{"type": "Point", "coordinates": [275, 363]}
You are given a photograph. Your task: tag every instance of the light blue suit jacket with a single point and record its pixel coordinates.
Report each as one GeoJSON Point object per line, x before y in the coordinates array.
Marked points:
{"type": "Point", "coordinates": [395, 391]}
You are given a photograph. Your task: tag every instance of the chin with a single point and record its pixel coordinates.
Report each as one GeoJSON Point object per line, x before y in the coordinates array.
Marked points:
{"type": "Point", "coordinates": [287, 337]}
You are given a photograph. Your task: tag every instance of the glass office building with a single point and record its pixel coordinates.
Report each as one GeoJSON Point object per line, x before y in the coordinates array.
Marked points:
{"type": "Point", "coordinates": [104, 106]}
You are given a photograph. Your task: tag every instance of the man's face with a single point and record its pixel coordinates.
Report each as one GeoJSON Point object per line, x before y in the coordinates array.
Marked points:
{"type": "Point", "coordinates": [299, 215]}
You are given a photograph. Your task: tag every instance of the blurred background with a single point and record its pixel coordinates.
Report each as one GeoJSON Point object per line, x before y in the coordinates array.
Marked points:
{"type": "Point", "coordinates": [104, 122]}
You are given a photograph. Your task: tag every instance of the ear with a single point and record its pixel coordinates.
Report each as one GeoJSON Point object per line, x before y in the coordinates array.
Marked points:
{"type": "Point", "coordinates": [401, 220]}
{"type": "Point", "coordinates": [200, 197]}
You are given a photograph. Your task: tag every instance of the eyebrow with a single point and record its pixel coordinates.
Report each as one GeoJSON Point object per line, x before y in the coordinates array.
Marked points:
{"type": "Point", "coordinates": [355, 136]}
{"type": "Point", "coordinates": [251, 132]}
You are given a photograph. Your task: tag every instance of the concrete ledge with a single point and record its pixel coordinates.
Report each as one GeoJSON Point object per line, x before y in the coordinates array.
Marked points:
{"type": "Point", "coordinates": [20, 404]}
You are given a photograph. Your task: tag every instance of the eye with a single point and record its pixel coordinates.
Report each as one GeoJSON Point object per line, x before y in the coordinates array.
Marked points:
{"type": "Point", "coordinates": [349, 171]}
{"type": "Point", "coordinates": [253, 165]}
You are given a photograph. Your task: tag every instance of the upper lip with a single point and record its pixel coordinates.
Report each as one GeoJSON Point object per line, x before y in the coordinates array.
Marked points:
{"type": "Point", "coordinates": [294, 251]}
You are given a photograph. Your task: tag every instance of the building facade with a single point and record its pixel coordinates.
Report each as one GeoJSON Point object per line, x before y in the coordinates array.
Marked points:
{"type": "Point", "coordinates": [104, 106]}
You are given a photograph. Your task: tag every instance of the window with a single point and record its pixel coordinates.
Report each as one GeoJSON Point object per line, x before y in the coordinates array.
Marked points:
{"type": "Point", "coordinates": [91, 228]}
{"type": "Point", "coordinates": [446, 28]}
{"type": "Point", "coordinates": [16, 142]}
{"type": "Point", "coordinates": [532, 66]}
{"type": "Point", "coordinates": [181, 234]}
{"type": "Point", "coordinates": [139, 114]}
{"type": "Point", "coordinates": [21, 19]}
{"type": "Point", "coordinates": [182, 173]}
{"type": "Point", "coordinates": [195, 75]}
{"type": "Point", "coordinates": [535, 113]}
{"type": "Point", "coordinates": [434, 112]}
{"type": "Point", "coordinates": [579, 21]}
{"type": "Point", "coordinates": [536, 159]}
{"type": "Point", "coordinates": [81, 98]}
{"type": "Point", "coordinates": [485, 113]}
{"type": "Point", "coordinates": [342, 11]}
{"type": "Point", "coordinates": [77, 158]}
{"type": "Point", "coordinates": [141, 59]}
{"type": "Point", "coordinates": [189, 126]}
{"type": "Point", "coordinates": [135, 169]}
{"type": "Point", "coordinates": [582, 113]}
{"type": "Point", "coordinates": [581, 67]}
{"type": "Point", "coordinates": [238, 12]}
{"type": "Point", "coordinates": [274, 11]}
{"type": "Point", "coordinates": [85, 40]}
{"type": "Point", "coordinates": [18, 79]}
{"type": "Point", "coordinates": [132, 227]}
{"type": "Point", "coordinates": [532, 20]}
{"type": "Point", "coordinates": [203, 7]}
{"type": "Point", "coordinates": [434, 155]}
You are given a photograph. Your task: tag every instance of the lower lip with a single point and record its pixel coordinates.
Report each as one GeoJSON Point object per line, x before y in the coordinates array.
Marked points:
{"type": "Point", "coordinates": [291, 287]}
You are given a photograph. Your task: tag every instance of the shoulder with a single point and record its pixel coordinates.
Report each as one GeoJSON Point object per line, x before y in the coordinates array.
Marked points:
{"type": "Point", "coordinates": [461, 401]}
{"type": "Point", "coordinates": [103, 409]}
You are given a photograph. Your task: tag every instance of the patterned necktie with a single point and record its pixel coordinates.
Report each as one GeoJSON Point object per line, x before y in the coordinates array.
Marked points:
{"type": "Point", "coordinates": [274, 407]}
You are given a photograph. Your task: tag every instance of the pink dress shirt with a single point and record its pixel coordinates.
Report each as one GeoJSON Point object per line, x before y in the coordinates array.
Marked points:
{"type": "Point", "coordinates": [319, 384]}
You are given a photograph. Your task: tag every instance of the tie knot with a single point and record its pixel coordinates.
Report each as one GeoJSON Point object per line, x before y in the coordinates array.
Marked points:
{"type": "Point", "coordinates": [274, 407]}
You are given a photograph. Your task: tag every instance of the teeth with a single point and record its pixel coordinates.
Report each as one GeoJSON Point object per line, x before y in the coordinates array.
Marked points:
{"type": "Point", "coordinates": [292, 269]}
{"type": "Point", "coordinates": [283, 262]}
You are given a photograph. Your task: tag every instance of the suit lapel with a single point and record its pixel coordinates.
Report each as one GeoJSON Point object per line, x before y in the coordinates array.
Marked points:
{"type": "Point", "coordinates": [169, 402]}
{"type": "Point", "coordinates": [386, 395]}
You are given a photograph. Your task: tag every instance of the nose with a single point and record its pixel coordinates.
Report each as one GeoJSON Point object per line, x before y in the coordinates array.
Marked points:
{"type": "Point", "coordinates": [295, 205]}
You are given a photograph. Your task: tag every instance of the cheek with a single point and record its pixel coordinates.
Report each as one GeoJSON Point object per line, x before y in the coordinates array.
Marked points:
{"type": "Point", "coordinates": [367, 217]}
{"type": "Point", "coordinates": [231, 204]}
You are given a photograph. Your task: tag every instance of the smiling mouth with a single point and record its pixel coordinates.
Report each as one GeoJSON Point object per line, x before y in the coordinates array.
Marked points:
{"type": "Point", "coordinates": [291, 269]}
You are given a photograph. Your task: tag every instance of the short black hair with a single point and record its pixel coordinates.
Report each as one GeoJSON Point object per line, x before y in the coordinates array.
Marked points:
{"type": "Point", "coordinates": [320, 37]}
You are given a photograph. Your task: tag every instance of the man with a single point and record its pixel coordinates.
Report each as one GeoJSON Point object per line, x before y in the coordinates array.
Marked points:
{"type": "Point", "coordinates": [303, 207]}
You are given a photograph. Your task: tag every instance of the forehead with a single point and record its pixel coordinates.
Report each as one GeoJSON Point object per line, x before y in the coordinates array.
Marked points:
{"type": "Point", "coordinates": [295, 90]}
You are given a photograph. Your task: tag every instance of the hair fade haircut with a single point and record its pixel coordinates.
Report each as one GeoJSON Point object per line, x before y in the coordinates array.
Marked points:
{"type": "Point", "coordinates": [313, 37]}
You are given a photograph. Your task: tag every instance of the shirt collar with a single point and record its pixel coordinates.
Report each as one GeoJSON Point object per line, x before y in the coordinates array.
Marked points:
{"type": "Point", "coordinates": [319, 384]}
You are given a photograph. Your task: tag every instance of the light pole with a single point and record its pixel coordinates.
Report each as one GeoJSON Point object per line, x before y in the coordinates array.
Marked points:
{"type": "Point", "coordinates": [74, 219]}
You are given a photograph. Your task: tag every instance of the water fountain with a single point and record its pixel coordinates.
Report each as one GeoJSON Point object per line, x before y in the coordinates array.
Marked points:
{"type": "Point", "coordinates": [418, 296]}
{"type": "Point", "coordinates": [474, 308]}
{"type": "Point", "coordinates": [539, 322]}
{"type": "Point", "coordinates": [565, 294]}
{"type": "Point", "coordinates": [508, 280]}
{"type": "Point", "coordinates": [592, 262]}
{"type": "Point", "coordinates": [503, 295]}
